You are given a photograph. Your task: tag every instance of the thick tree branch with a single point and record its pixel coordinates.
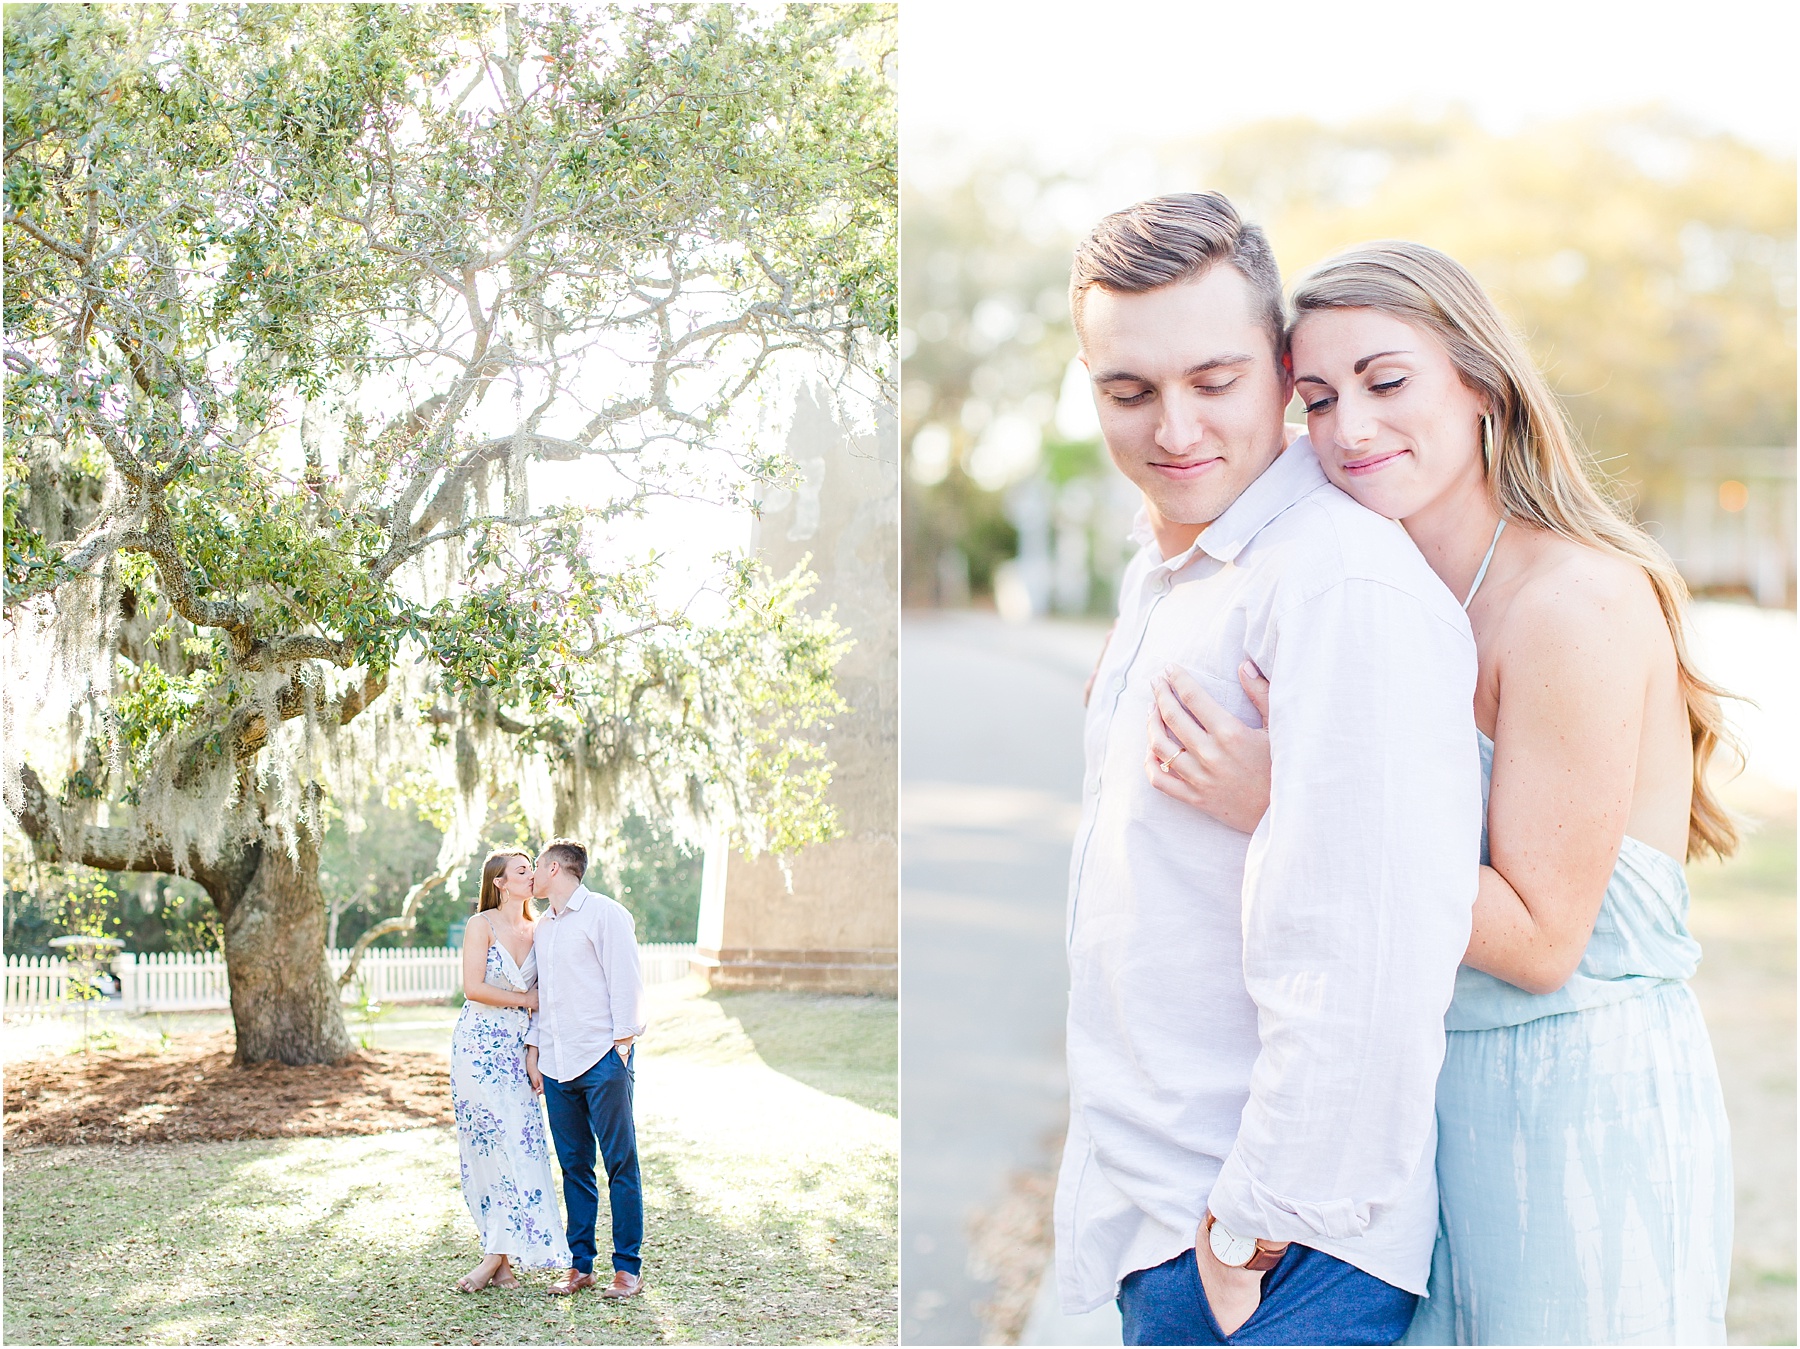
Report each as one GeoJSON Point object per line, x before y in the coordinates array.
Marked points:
{"type": "Point", "coordinates": [55, 245]}
{"type": "Point", "coordinates": [354, 703]}
{"type": "Point", "coordinates": [458, 480]}
{"type": "Point", "coordinates": [78, 556]}
{"type": "Point", "coordinates": [481, 371]}
{"type": "Point", "coordinates": [248, 731]}
{"type": "Point", "coordinates": [230, 616]}
{"type": "Point", "coordinates": [274, 652]}
{"type": "Point", "coordinates": [406, 920]}
{"type": "Point", "coordinates": [156, 541]}
{"type": "Point", "coordinates": [41, 818]}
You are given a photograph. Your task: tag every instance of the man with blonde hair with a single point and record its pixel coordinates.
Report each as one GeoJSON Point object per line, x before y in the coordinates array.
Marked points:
{"type": "Point", "coordinates": [1256, 1005]}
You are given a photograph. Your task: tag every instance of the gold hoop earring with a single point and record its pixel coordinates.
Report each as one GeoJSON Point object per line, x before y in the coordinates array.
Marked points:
{"type": "Point", "coordinates": [1487, 442]}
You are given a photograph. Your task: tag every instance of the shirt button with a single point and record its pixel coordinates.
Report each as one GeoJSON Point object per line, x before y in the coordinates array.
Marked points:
{"type": "Point", "coordinates": [1093, 785]}
{"type": "Point", "coordinates": [1162, 584]}
{"type": "Point", "coordinates": [1118, 684]}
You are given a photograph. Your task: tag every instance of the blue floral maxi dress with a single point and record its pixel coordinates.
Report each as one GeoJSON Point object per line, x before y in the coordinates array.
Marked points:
{"type": "Point", "coordinates": [500, 1130]}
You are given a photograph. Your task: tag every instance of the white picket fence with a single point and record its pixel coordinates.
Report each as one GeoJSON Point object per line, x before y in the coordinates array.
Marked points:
{"type": "Point", "coordinates": [172, 981]}
{"type": "Point", "coordinates": [665, 962]}
{"type": "Point", "coordinates": [422, 974]}
{"type": "Point", "coordinates": [36, 981]}
{"type": "Point", "coordinates": [195, 981]}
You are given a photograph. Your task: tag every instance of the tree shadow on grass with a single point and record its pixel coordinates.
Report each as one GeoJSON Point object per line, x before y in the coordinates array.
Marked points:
{"type": "Point", "coordinates": [359, 1241]}
{"type": "Point", "coordinates": [841, 1045]}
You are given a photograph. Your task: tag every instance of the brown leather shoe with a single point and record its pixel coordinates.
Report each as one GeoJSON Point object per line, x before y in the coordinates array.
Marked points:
{"type": "Point", "coordinates": [623, 1286]}
{"type": "Point", "coordinates": [572, 1282]}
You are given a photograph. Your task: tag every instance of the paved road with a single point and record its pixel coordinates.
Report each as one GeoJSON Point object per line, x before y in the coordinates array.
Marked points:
{"type": "Point", "coordinates": [990, 787]}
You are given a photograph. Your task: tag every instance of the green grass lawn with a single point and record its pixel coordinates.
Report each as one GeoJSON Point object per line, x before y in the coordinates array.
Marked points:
{"type": "Point", "coordinates": [1743, 914]}
{"type": "Point", "coordinates": [769, 1147]}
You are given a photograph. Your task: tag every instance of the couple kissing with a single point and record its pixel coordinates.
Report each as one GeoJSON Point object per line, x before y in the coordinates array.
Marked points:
{"type": "Point", "coordinates": [555, 1001]}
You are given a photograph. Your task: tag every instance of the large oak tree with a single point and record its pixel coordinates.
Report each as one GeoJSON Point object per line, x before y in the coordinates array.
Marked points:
{"type": "Point", "coordinates": [299, 302]}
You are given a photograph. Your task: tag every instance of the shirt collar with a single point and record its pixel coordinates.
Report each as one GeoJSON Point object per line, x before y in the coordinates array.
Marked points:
{"type": "Point", "coordinates": [1144, 536]}
{"type": "Point", "coordinates": [1293, 475]}
{"type": "Point", "coordinates": [1141, 534]}
{"type": "Point", "coordinates": [577, 898]}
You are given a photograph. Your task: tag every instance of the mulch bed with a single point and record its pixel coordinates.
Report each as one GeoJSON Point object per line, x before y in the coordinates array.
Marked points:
{"type": "Point", "coordinates": [193, 1093]}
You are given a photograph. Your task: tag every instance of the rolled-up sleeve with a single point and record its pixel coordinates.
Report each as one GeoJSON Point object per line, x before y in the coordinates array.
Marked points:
{"type": "Point", "coordinates": [624, 978]}
{"type": "Point", "coordinates": [1358, 890]}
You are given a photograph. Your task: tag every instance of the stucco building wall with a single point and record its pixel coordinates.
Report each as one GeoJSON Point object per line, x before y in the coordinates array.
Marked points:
{"type": "Point", "coordinates": [837, 929]}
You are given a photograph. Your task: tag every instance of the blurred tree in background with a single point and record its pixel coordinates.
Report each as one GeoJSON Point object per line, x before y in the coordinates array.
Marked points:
{"type": "Point", "coordinates": [1649, 265]}
{"type": "Point", "coordinates": [985, 341]}
{"type": "Point", "coordinates": [364, 875]}
{"type": "Point", "coordinates": [150, 912]}
{"type": "Point", "coordinates": [657, 877]}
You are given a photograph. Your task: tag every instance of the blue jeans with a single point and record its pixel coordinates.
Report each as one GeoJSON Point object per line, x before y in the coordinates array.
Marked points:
{"type": "Point", "coordinates": [1309, 1298]}
{"type": "Point", "coordinates": [596, 1107]}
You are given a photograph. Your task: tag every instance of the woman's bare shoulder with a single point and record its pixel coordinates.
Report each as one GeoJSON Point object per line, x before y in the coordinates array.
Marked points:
{"type": "Point", "coordinates": [1573, 595]}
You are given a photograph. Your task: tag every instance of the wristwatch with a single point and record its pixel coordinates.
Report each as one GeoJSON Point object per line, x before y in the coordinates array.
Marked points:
{"type": "Point", "coordinates": [1229, 1248]}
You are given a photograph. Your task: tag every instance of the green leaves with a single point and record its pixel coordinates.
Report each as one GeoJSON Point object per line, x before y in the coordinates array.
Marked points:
{"type": "Point", "coordinates": [153, 703]}
{"type": "Point", "coordinates": [275, 275]}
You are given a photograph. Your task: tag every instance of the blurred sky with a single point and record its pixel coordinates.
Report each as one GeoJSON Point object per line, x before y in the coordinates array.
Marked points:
{"type": "Point", "coordinates": [1068, 79]}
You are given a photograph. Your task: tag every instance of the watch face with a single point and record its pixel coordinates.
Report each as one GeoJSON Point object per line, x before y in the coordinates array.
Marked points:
{"type": "Point", "coordinates": [1231, 1250]}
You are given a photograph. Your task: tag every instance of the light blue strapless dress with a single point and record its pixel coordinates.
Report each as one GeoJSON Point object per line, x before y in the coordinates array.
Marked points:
{"type": "Point", "coordinates": [1584, 1160]}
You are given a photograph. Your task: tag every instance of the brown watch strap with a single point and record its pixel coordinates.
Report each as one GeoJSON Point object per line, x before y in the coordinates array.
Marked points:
{"type": "Point", "coordinates": [1268, 1253]}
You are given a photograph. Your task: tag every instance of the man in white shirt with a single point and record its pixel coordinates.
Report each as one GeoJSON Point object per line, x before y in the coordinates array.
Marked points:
{"type": "Point", "coordinates": [578, 1055]}
{"type": "Point", "coordinates": [1256, 1019]}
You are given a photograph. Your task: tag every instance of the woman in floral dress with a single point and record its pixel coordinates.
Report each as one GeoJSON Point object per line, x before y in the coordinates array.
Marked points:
{"type": "Point", "coordinates": [499, 1122]}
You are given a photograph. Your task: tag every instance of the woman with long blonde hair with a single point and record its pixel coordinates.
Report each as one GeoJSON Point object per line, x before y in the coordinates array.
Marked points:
{"type": "Point", "coordinates": [500, 1133]}
{"type": "Point", "coordinates": [1584, 1166]}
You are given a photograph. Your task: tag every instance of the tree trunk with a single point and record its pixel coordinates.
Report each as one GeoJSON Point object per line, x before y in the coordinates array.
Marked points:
{"type": "Point", "coordinates": [284, 1000]}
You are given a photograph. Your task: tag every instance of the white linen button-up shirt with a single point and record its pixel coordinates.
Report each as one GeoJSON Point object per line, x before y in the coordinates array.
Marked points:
{"type": "Point", "coordinates": [590, 989]}
{"type": "Point", "coordinates": [1256, 1021]}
